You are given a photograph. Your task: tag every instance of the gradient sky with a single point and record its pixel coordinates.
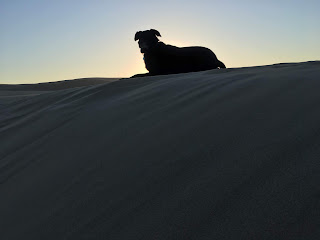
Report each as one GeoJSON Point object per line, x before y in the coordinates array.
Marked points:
{"type": "Point", "coordinates": [46, 40]}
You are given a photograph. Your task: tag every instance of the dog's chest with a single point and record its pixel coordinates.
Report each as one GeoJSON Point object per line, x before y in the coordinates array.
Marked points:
{"type": "Point", "coordinates": [153, 61]}
{"type": "Point", "coordinates": [158, 59]}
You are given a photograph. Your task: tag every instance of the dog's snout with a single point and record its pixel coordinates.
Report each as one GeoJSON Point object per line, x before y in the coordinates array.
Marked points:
{"type": "Point", "coordinates": [143, 44]}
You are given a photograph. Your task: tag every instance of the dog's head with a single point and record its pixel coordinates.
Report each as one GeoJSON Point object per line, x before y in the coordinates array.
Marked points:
{"type": "Point", "coordinates": [147, 39]}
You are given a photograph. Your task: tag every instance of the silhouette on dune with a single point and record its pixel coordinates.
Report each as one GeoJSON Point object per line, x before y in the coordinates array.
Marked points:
{"type": "Point", "coordinates": [161, 59]}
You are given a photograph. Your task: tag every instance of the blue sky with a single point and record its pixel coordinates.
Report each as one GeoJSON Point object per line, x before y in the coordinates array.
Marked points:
{"type": "Point", "coordinates": [49, 40]}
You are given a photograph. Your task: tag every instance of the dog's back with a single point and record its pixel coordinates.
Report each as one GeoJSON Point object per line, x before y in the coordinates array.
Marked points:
{"type": "Point", "coordinates": [167, 59]}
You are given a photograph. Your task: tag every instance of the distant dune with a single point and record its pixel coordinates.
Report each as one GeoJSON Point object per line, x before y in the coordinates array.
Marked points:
{"type": "Point", "coordinates": [51, 86]}
{"type": "Point", "coordinates": [220, 154]}
{"type": "Point", "coordinates": [13, 92]}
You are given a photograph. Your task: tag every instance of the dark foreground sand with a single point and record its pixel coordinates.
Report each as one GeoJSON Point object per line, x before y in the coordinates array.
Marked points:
{"type": "Point", "coordinates": [12, 93]}
{"type": "Point", "coordinates": [221, 154]}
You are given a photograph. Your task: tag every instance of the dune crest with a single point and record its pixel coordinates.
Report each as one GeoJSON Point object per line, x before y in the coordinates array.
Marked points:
{"type": "Point", "coordinates": [220, 154]}
{"type": "Point", "coordinates": [10, 93]}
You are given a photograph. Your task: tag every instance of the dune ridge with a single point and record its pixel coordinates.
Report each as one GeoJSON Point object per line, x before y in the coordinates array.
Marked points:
{"type": "Point", "coordinates": [58, 85]}
{"type": "Point", "coordinates": [12, 92]}
{"type": "Point", "coordinates": [220, 154]}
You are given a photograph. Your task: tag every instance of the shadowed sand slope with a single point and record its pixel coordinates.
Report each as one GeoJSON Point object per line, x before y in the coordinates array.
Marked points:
{"type": "Point", "coordinates": [13, 92]}
{"type": "Point", "coordinates": [221, 154]}
{"type": "Point", "coordinates": [51, 86]}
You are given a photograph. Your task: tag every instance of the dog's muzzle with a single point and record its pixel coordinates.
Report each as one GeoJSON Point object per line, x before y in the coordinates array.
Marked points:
{"type": "Point", "coordinates": [143, 47]}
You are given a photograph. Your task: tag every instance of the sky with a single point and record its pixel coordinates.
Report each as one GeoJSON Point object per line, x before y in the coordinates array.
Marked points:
{"type": "Point", "coordinates": [45, 40]}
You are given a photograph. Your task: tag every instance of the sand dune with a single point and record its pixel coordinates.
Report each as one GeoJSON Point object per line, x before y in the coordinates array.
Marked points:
{"type": "Point", "coordinates": [221, 154]}
{"type": "Point", "coordinates": [13, 92]}
{"type": "Point", "coordinates": [51, 86]}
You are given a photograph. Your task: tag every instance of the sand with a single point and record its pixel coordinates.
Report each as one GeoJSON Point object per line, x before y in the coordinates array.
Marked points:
{"type": "Point", "coordinates": [12, 92]}
{"type": "Point", "coordinates": [220, 154]}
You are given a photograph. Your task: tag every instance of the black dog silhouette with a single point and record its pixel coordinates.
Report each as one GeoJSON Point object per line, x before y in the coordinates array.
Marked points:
{"type": "Point", "coordinates": [161, 59]}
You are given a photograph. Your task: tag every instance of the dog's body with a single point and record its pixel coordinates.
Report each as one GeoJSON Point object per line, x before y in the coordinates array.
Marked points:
{"type": "Point", "coordinates": [163, 59]}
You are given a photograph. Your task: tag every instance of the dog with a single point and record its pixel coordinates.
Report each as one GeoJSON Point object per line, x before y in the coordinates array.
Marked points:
{"type": "Point", "coordinates": [162, 59]}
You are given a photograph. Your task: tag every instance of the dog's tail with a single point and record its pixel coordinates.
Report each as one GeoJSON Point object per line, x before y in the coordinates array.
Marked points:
{"type": "Point", "coordinates": [221, 64]}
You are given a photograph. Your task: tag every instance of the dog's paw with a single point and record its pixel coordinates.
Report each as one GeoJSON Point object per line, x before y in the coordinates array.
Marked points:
{"type": "Point", "coordinates": [140, 75]}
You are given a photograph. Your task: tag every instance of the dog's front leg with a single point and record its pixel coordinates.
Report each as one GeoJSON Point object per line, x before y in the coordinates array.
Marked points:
{"type": "Point", "coordinates": [141, 75]}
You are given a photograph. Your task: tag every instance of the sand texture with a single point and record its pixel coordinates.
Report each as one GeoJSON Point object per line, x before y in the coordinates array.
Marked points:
{"type": "Point", "coordinates": [12, 93]}
{"type": "Point", "coordinates": [221, 154]}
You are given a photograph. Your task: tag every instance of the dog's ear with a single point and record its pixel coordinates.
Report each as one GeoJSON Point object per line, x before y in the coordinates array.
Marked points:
{"type": "Point", "coordinates": [155, 32]}
{"type": "Point", "coordinates": [137, 36]}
